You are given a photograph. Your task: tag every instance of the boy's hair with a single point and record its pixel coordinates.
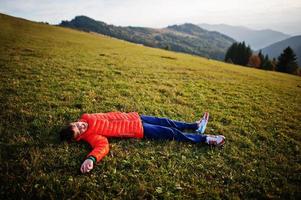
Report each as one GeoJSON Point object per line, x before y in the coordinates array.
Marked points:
{"type": "Point", "coordinates": [66, 134]}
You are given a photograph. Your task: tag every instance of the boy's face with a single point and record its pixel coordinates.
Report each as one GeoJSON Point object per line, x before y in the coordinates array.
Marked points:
{"type": "Point", "coordinates": [79, 128]}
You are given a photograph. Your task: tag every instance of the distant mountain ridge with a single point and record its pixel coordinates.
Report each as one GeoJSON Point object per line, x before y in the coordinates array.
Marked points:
{"type": "Point", "coordinates": [187, 38]}
{"type": "Point", "coordinates": [257, 39]}
{"type": "Point", "coordinates": [277, 48]}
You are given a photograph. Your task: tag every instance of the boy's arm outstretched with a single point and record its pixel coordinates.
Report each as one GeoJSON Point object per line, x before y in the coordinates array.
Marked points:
{"type": "Point", "coordinates": [100, 147]}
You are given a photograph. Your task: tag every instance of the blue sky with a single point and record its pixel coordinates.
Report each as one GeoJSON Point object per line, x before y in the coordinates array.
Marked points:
{"type": "Point", "coordinates": [281, 15]}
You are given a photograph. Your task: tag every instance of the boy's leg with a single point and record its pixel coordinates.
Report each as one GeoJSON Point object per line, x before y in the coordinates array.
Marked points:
{"type": "Point", "coordinates": [158, 132]}
{"type": "Point", "coordinates": [168, 123]}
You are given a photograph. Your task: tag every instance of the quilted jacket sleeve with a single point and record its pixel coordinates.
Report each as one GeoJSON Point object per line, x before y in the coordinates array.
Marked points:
{"type": "Point", "coordinates": [100, 147]}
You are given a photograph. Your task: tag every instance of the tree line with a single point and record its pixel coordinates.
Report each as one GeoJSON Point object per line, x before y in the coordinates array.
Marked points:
{"type": "Point", "coordinates": [241, 54]}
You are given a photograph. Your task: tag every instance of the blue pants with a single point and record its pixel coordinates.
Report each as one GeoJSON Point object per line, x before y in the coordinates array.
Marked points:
{"type": "Point", "coordinates": [166, 129]}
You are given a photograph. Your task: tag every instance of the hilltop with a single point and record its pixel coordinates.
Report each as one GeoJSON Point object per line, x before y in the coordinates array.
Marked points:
{"type": "Point", "coordinates": [187, 38]}
{"type": "Point", "coordinates": [51, 75]}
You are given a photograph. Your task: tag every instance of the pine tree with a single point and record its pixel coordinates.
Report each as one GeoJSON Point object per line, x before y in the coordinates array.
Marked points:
{"type": "Point", "coordinates": [274, 63]}
{"type": "Point", "coordinates": [260, 55]}
{"type": "Point", "coordinates": [230, 54]}
{"type": "Point", "coordinates": [238, 53]}
{"type": "Point", "coordinates": [287, 61]}
{"type": "Point", "coordinates": [267, 64]}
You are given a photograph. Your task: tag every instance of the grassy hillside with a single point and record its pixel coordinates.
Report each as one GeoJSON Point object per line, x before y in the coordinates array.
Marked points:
{"type": "Point", "coordinates": [51, 75]}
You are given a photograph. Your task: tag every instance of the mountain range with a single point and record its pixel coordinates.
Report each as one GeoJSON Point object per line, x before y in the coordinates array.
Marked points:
{"type": "Point", "coordinates": [257, 39]}
{"type": "Point", "coordinates": [187, 38]}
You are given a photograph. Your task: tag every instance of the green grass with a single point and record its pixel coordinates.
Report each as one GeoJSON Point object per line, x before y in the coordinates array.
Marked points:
{"type": "Point", "coordinates": [51, 75]}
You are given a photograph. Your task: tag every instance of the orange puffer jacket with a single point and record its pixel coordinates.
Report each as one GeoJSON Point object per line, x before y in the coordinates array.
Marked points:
{"type": "Point", "coordinates": [112, 124]}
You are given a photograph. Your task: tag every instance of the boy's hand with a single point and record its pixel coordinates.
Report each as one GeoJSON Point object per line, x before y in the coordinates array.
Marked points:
{"type": "Point", "coordinates": [86, 166]}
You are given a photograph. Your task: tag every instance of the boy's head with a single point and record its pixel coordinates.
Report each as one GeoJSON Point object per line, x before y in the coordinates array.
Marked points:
{"type": "Point", "coordinates": [67, 133]}
{"type": "Point", "coordinates": [73, 130]}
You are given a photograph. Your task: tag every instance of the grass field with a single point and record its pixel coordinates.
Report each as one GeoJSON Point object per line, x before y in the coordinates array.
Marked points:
{"type": "Point", "coordinates": [50, 76]}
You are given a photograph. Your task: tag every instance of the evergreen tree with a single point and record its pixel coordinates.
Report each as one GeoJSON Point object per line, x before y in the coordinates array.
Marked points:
{"type": "Point", "coordinates": [238, 53]}
{"type": "Point", "coordinates": [230, 54]}
{"type": "Point", "coordinates": [274, 63]}
{"type": "Point", "coordinates": [260, 55]}
{"type": "Point", "coordinates": [287, 61]}
{"type": "Point", "coordinates": [267, 64]}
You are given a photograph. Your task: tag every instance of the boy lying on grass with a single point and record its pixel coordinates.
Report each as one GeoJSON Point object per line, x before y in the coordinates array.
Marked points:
{"type": "Point", "coordinates": [96, 128]}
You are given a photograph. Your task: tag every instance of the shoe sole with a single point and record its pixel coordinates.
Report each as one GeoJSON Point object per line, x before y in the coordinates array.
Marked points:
{"type": "Point", "coordinates": [220, 144]}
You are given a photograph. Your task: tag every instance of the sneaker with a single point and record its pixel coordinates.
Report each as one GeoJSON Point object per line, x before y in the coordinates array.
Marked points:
{"type": "Point", "coordinates": [203, 123]}
{"type": "Point", "coordinates": [215, 140]}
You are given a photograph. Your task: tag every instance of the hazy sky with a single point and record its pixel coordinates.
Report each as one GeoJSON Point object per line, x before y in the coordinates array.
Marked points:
{"type": "Point", "coordinates": [281, 15]}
